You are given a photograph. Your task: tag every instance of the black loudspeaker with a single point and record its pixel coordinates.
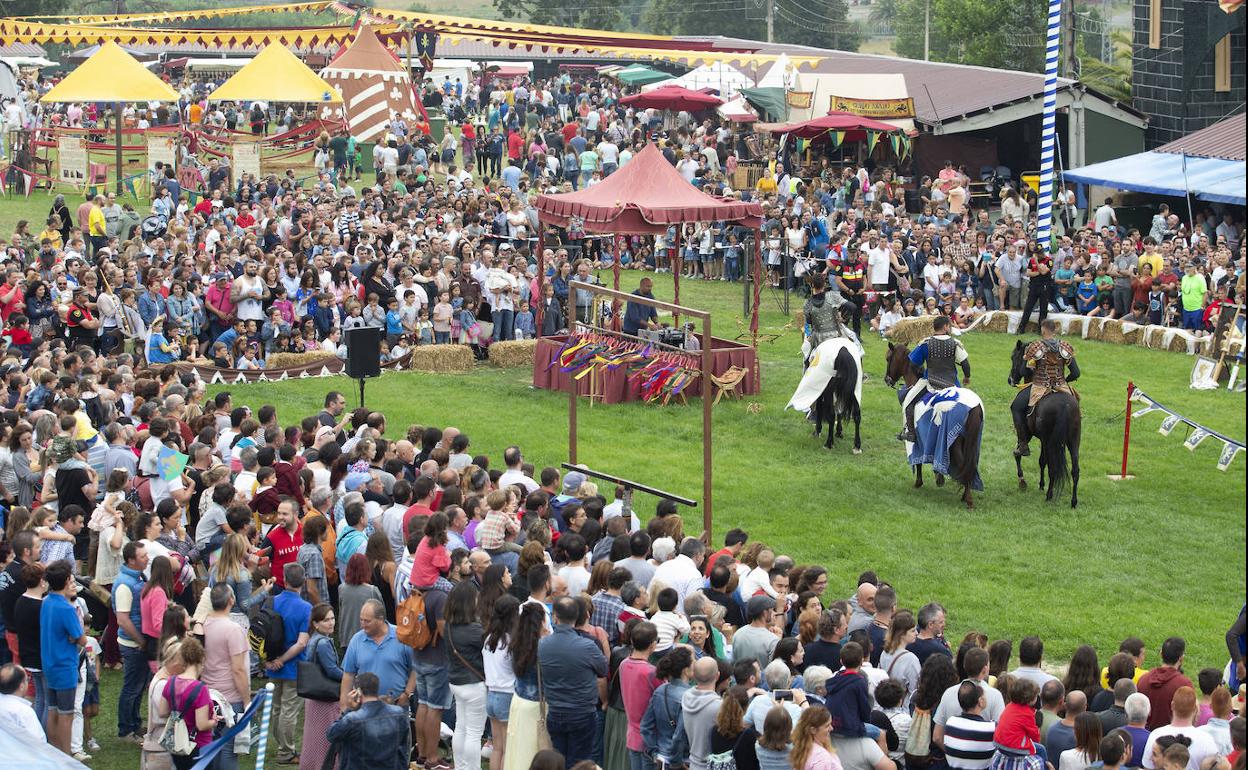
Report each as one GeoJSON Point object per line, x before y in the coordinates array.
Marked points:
{"type": "Point", "coordinates": [363, 352]}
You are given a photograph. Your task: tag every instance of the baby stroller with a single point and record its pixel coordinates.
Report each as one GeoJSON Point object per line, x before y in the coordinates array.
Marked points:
{"type": "Point", "coordinates": [154, 227]}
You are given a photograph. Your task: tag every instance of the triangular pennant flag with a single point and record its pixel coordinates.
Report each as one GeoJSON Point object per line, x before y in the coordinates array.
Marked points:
{"type": "Point", "coordinates": [241, 378]}
{"type": "Point", "coordinates": [895, 141]}
{"type": "Point", "coordinates": [30, 183]}
{"type": "Point", "coordinates": [263, 377]}
{"type": "Point", "coordinates": [2, 176]}
{"type": "Point", "coordinates": [1229, 450]}
{"type": "Point", "coordinates": [837, 138]}
{"type": "Point", "coordinates": [130, 187]}
{"type": "Point", "coordinates": [217, 379]}
{"type": "Point", "coordinates": [802, 144]}
{"type": "Point", "coordinates": [1168, 424]}
{"type": "Point", "coordinates": [1144, 410]}
{"type": "Point", "coordinates": [325, 372]}
{"type": "Point", "coordinates": [1193, 441]}
{"type": "Point", "coordinates": [285, 376]}
{"type": "Point", "coordinates": [872, 138]}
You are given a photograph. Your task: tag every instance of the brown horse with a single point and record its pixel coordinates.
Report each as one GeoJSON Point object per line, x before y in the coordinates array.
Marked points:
{"type": "Point", "coordinates": [964, 453]}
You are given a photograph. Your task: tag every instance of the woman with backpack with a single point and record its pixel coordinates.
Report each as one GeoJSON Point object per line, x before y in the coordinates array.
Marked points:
{"type": "Point", "coordinates": [184, 698]}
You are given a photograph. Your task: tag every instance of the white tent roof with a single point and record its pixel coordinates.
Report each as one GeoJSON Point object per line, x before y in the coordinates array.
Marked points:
{"type": "Point", "coordinates": [781, 74]}
{"type": "Point", "coordinates": [722, 77]}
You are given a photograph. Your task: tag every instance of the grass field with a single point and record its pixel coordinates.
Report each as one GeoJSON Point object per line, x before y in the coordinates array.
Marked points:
{"type": "Point", "coordinates": [1160, 555]}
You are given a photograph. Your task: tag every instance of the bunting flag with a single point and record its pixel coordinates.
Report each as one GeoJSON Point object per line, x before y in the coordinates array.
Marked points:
{"type": "Point", "coordinates": [3, 188]}
{"type": "Point", "coordinates": [872, 138]}
{"type": "Point", "coordinates": [895, 141]}
{"type": "Point", "coordinates": [30, 183]}
{"type": "Point", "coordinates": [837, 137]}
{"type": "Point", "coordinates": [802, 144]}
{"type": "Point", "coordinates": [1230, 446]}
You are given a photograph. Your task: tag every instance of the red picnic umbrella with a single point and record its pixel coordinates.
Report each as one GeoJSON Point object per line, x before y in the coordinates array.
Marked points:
{"type": "Point", "coordinates": [672, 98]}
{"type": "Point", "coordinates": [855, 127]}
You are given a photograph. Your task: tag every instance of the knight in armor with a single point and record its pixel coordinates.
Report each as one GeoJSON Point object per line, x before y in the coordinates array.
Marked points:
{"type": "Point", "coordinates": [1045, 363]}
{"type": "Point", "coordinates": [937, 359]}
{"type": "Point", "coordinates": [823, 314]}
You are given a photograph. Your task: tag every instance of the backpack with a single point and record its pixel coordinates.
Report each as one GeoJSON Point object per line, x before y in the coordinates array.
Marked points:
{"type": "Point", "coordinates": [176, 736]}
{"type": "Point", "coordinates": [918, 748]}
{"type": "Point", "coordinates": [267, 635]}
{"type": "Point", "coordinates": [413, 622]}
{"type": "Point", "coordinates": [139, 493]}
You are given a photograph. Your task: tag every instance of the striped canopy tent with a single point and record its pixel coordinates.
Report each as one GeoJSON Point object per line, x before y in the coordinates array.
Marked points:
{"type": "Point", "coordinates": [375, 88]}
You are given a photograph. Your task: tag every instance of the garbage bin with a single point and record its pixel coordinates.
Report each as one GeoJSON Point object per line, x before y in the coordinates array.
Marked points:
{"type": "Point", "coordinates": [437, 126]}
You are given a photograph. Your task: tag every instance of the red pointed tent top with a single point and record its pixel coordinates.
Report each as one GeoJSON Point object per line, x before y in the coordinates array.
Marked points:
{"type": "Point", "coordinates": [672, 98]}
{"type": "Point", "coordinates": [833, 121]}
{"type": "Point", "coordinates": [645, 196]}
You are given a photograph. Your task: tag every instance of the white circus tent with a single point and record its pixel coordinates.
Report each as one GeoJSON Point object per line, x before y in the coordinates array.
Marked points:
{"type": "Point", "coordinates": [724, 78]}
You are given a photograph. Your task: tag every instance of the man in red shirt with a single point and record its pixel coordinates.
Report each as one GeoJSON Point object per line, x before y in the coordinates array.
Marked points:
{"type": "Point", "coordinates": [422, 492]}
{"type": "Point", "coordinates": [283, 540]}
{"type": "Point", "coordinates": [12, 298]}
{"type": "Point", "coordinates": [734, 541]}
{"type": "Point", "coordinates": [244, 219]}
{"type": "Point", "coordinates": [205, 205]}
{"type": "Point", "coordinates": [515, 144]}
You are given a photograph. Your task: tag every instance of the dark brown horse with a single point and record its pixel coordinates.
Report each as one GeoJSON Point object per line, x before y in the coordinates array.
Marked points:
{"type": "Point", "coordinates": [964, 452]}
{"type": "Point", "coordinates": [1058, 422]}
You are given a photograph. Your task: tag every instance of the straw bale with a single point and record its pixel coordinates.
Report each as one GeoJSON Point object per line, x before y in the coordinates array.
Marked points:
{"type": "Point", "coordinates": [513, 354]}
{"type": "Point", "coordinates": [283, 360]}
{"type": "Point", "coordinates": [998, 322]}
{"type": "Point", "coordinates": [442, 358]}
{"type": "Point", "coordinates": [910, 331]}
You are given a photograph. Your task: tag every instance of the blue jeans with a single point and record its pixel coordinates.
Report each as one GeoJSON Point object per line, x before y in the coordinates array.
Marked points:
{"type": "Point", "coordinates": [504, 325]}
{"type": "Point", "coordinates": [41, 696]}
{"type": "Point", "coordinates": [227, 759]}
{"type": "Point", "coordinates": [639, 760]}
{"type": "Point", "coordinates": [572, 734]}
{"type": "Point", "coordinates": [730, 269]}
{"type": "Point", "coordinates": [135, 676]}
{"type": "Point", "coordinates": [989, 293]}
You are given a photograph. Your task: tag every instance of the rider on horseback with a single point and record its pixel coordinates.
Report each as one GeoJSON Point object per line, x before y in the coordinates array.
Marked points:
{"type": "Point", "coordinates": [1045, 363]}
{"type": "Point", "coordinates": [942, 354]}
{"type": "Point", "coordinates": [823, 314]}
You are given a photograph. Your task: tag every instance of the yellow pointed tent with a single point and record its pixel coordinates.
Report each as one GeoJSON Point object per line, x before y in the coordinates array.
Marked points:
{"type": "Point", "coordinates": [112, 75]}
{"type": "Point", "coordinates": [275, 75]}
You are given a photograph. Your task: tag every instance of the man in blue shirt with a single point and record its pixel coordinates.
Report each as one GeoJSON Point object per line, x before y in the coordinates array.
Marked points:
{"type": "Point", "coordinates": [570, 665]}
{"type": "Point", "coordinates": [61, 636]}
{"type": "Point", "coordinates": [511, 176]}
{"type": "Point", "coordinates": [636, 314]}
{"type": "Point", "coordinates": [376, 650]}
{"type": "Point", "coordinates": [296, 617]}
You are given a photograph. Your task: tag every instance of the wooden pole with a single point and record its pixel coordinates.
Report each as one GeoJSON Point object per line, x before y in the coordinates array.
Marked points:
{"type": "Point", "coordinates": [121, 171]}
{"type": "Point", "coordinates": [539, 300]}
{"type": "Point", "coordinates": [706, 427]}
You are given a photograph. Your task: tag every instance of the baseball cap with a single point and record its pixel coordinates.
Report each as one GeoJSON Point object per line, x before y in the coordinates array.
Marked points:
{"type": "Point", "coordinates": [757, 606]}
{"type": "Point", "coordinates": [573, 481]}
{"type": "Point", "coordinates": [219, 275]}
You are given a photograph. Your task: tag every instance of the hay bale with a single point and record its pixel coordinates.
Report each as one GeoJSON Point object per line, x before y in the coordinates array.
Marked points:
{"type": "Point", "coordinates": [442, 358]}
{"type": "Point", "coordinates": [910, 331]}
{"type": "Point", "coordinates": [999, 322]}
{"type": "Point", "coordinates": [1096, 328]}
{"type": "Point", "coordinates": [513, 354]}
{"type": "Point", "coordinates": [1131, 336]}
{"type": "Point", "coordinates": [1111, 331]}
{"type": "Point", "coordinates": [283, 360]}
{"type": "Point", "coordinates": [1152, 337]}
{"type": "Point", "coordinates": [1178, 344]}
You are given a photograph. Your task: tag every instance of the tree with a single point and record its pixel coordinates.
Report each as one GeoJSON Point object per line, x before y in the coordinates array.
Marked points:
{"type": "Point", "coordinates": [1110, 78]}
{"type": "Point", "coordinates": [594, 14]}
{"type": "Point", "coordinates": [988, 33]}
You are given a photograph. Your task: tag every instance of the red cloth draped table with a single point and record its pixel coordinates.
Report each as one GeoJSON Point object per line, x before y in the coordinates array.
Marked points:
{"type": "Point", "coordinates": [614, 386]}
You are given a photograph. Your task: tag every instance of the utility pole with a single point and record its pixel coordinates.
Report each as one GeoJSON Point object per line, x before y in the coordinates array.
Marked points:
{"type": "Point", "coordinates": [771, 21]}
{"type": "Point", "coordinates": [927, 30]}
{"type": "Point", "coordinates": [1070, 55]}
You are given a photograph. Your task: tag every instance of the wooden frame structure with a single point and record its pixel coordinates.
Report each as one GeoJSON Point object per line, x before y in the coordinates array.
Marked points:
{"type": "Point", "coordinates": [706, 384]}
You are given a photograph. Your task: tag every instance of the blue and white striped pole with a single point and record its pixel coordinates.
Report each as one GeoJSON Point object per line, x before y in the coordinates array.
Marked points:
{"type": "Point", "coordinates": [1048, 142]}
{"type": "Point", "coordinates": [262, 744]}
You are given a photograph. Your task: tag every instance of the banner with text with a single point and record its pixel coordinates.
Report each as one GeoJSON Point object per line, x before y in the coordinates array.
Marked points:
{"type": "Point", "coordinates": [245, 158]}
{"type": "Point", "coordinates": [883, 109]}
{"type": "Point", "coordinates": [71, 160]}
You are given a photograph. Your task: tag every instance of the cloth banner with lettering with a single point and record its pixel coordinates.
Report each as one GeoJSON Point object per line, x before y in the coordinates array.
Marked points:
{"type": "Point", "coordinates": [1197, 435]}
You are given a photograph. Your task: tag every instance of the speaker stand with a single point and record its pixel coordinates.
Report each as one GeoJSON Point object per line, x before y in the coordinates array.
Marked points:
{"type": "Point", "coordinates": [362, 380]}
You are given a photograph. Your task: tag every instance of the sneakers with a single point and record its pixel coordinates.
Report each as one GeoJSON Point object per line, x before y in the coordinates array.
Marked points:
{"type": "Point", "coordinates": [132, 738]}
{"type": "Point", "coordinates": [93, 745]}
{"type": "Point", "coordinates": [82, 756]}
{"type": "Point", "coordinates": [289, 759]}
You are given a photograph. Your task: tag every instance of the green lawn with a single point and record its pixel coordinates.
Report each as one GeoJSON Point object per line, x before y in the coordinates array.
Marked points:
{"type": "Point", "coordinates": [1123, 563]}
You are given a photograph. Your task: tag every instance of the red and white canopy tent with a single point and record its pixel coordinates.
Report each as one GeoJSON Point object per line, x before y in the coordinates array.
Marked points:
{"type": "Point", "coordinates": [646, 196]}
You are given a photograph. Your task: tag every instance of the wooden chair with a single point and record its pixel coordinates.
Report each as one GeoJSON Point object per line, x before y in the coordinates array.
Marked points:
{"type": "Point", "coordinates": [727, 383]}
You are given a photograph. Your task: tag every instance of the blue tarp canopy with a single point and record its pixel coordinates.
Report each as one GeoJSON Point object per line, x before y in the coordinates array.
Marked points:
{"type": "Point", "coordinates": [1161, 173]}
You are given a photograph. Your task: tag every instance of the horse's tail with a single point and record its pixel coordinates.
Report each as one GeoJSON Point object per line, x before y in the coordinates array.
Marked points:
{"type": "Point", "coordinates": [1054, 446]}
{"type": "Point", "coordinates": [972, 435]}
{"type": "Point", "coordinates": [846, 380]}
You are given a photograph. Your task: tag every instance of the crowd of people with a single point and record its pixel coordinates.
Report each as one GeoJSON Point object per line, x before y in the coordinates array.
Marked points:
{"type": "Point", "coordinates": [437, 243]}
{"type": "Point", "coordinates": [412, 600]}
{"type": "Point", "coordinates": [415, 601]}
